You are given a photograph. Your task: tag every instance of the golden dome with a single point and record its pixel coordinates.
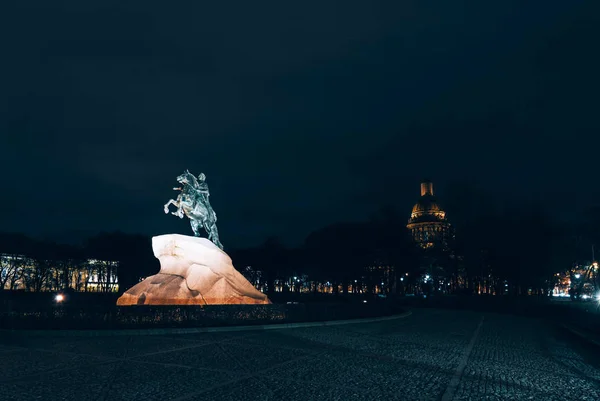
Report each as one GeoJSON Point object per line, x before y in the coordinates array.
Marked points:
{"type": "Point", "coordinates": [427, 223]}
{"type": "Point", "coordinates": [425, 207]}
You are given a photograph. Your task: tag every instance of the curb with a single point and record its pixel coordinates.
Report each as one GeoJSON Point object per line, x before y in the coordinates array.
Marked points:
{"type": "Point", "coordinates": [581, 334]}
{"type": "Point", "coordinates": [192, 330]}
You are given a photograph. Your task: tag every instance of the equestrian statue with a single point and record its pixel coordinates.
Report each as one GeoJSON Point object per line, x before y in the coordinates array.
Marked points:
{"type": "Point", "coordinates": [192, 202]}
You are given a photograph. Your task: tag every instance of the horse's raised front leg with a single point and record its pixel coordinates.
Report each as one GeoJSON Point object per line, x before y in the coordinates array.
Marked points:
{"type": "Point", "coordinates": [171, 202]}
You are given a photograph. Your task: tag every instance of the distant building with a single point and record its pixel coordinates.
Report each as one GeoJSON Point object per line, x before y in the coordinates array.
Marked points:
{"type": "Point", "coordinates": [428, 224]}
{"type": "Point", "coordinates": [20, 272]}
{"type": "Point", "coordinates": [579, 282]}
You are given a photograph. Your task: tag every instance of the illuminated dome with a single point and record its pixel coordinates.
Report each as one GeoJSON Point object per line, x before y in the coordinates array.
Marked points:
{"type": "Point", "coordinates": [427, 208]}
{"type": "Point", "coordinates": [426, 205]}
{"type": "Point", "coordinates": [427, 223]}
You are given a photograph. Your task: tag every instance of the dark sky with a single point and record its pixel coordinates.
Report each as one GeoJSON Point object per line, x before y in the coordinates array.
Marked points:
{"type": "Point", "coordinates": [299, 113]}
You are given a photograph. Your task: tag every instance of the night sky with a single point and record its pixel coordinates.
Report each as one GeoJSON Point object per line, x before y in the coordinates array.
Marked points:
{"type": "Point", "coordinates": [300, 114]}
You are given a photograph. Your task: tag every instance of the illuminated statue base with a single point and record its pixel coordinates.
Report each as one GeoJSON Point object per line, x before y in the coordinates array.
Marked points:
{"type": "Point", "coordinates": [193, 271]}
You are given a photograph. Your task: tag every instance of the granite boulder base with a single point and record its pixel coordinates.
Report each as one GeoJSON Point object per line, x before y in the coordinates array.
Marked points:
{"type": "Point", "coordinates": [193, 271]}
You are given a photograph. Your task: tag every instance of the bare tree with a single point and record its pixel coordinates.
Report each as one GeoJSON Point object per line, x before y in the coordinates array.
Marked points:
{"type": "Point", "coordinates": [14, 262]}
{"type": "Point", "coordinates": [10, 270]}
{"type": "Point", "coordinates": [40, 275]}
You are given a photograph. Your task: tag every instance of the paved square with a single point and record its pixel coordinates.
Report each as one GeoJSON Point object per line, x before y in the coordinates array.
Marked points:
{"type": "Point", "coordinates": [430, 355]}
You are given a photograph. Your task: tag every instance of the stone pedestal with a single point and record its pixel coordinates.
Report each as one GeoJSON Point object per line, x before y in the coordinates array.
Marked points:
{"type": "Point", "coordinates": [193, 271]}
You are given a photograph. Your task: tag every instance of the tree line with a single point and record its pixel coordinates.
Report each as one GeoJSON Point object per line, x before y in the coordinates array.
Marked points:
{"type": "Point", "coordinates": [518, 244]}
{"type": "Point", "coordinates": [108, 258]}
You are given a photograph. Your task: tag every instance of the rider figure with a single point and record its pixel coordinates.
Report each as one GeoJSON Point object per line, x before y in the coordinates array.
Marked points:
{"type": "Point", "coordinates": [202, 186]}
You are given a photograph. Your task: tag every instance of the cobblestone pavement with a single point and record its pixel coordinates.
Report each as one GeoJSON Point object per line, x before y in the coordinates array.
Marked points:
{"type": "Point", "coordinates": [431, 355]}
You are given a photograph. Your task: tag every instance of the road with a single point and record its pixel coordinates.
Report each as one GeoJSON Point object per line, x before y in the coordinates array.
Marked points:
{"type": "Point", "coordinates": [430, 355]}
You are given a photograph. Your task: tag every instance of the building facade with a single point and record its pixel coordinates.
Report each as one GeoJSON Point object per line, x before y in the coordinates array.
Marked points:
{"type": "Point", "coordinates": [19, 272]}
{"type": "Point", "coordinates": [428, 224]}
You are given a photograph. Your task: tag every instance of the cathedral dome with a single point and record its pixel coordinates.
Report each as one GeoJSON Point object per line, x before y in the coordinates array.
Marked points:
{"type": "Point", "coordinates": [427, 223]}
{"type": "Point", "coordinates": [426, 204]}
{"type": "Point", "coordinates": [427, 209]}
